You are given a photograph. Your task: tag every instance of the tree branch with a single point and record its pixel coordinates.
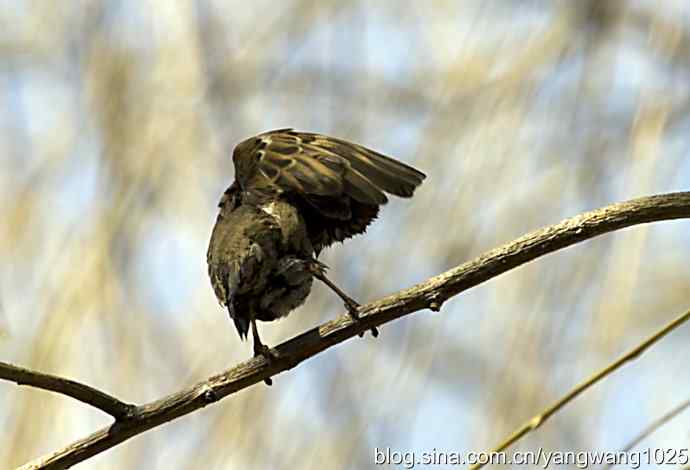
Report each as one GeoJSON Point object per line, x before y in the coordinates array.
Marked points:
{"type": "Point", "coordinates": [428, 294]}
{"type": "Point", "coordinates": [631, 355]}
{"type": "Point", "coordinates": [76, 390]}
{"type": "Point", "coordinates": [653, 427]}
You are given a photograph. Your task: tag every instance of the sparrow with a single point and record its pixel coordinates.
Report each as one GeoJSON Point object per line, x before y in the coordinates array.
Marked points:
{"type": "Point", "coordinates": [294, 194]}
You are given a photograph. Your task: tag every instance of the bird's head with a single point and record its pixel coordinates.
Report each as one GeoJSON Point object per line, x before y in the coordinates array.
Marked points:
{"type": "Point", "coordinates": [246, 158]}
{"type": "Point", "coordinates": [232, 198]}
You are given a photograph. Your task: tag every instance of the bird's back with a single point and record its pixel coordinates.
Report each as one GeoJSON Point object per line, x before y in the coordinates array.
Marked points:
{"type": "Point", "coordinates": [251, 260]}
{"type": "Point", "coordinates": [244, 244]}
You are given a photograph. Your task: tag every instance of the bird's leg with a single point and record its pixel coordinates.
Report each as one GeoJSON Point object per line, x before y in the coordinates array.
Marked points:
{"type": "Point", "coordinates": [260, 349]}
{"type": "Point", "coordinates": [319, 272]}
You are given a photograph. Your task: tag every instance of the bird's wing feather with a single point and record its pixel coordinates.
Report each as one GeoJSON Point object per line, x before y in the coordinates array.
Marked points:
{"type": "Point", "coordinates": [291, 165]}
{"type": "Point", "coordinates": [387, 174]}
{"type": "Point", "coordinates": [318, 165]}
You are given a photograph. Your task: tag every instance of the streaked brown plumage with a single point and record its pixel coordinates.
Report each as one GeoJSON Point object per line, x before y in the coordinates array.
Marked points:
{"type": "Point", "coordinates": [260, 262]}
{"type": "Point", "coordinates": [294, 194]}
{"type": "Point", "coordinates": [337, 185]}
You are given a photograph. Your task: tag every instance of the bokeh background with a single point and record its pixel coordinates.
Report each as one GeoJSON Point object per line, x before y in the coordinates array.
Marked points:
{"type": "Point", "coordinates": [117, 124]}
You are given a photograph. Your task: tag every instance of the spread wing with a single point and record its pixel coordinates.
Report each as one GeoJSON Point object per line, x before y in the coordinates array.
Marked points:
{"type": "Point", "coordinates": [311, 164]}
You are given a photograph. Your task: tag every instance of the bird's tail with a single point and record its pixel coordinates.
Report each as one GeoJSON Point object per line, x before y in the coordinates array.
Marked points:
{"type": "Point", "coordinates": [241, 322]}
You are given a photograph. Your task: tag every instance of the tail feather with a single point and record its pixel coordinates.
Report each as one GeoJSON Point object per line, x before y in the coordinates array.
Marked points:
{"type": "Point", "coordinates": [241, 322]}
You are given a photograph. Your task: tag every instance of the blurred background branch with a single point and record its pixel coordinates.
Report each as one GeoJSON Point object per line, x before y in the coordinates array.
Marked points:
{"type": "Point", "coordinates": [653, 426]}
{"type": "Point", "coordinates": [558, 405]}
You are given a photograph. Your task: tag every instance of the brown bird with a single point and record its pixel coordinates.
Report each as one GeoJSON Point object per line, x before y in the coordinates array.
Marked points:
{"type": "Point", "coordinates": [294, 194]}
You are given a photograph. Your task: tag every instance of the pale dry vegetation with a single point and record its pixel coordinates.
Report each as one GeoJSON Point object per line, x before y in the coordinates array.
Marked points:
{"type": "Point", "coordinates": [115, 138]}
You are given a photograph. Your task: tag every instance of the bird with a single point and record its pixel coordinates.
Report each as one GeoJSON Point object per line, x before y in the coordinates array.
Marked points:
{"type": "Point", "coordinates": [295, 194]}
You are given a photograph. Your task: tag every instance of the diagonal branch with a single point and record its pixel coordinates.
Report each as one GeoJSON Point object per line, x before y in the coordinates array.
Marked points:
{"type": "Point", "coordinates": [631, 355]}
{"type": "Point", "coordinates": [76, 390]}
{"type": "Point", "coordinates": [653, 427]}
{"type": "Point", "coordinates": [428, 294]}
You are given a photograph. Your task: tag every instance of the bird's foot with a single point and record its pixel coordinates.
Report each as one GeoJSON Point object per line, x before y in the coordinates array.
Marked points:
{"type": "Point", "coordinates": [353, 309]}
{"type": "Point", "coordinates": [263, 350]}
{"type": "Point", "coordinates": [318, 269]}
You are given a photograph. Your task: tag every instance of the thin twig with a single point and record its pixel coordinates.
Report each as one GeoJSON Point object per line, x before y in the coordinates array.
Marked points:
{"type": "Point", "coordinates": [428, 294]}
{"type": "Point", "coordinates": [84, 393]}
{"type": "Point", "coordinates": [653, 426]}
{"type": "Point", "coordinates": [539, 419]}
